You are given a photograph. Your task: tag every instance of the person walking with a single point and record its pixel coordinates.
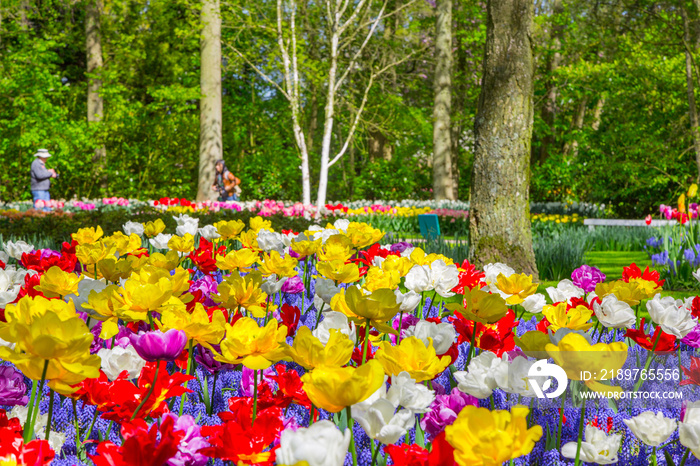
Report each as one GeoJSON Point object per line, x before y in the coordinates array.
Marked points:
{"type": "Point", "coordinates": [41, 177]}
{"type": "Point", "coordinates": [226, 183]}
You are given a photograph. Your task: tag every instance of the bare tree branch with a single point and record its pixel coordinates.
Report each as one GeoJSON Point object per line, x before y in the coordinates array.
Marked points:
{"type": "Point", "coordinates": [260, 72]}
{"type": "Point", "coordinates": [351, 132]}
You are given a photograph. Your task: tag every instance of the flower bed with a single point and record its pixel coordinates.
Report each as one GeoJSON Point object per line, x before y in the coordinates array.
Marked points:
{"type": "Point", "coordinates": [238, 343]}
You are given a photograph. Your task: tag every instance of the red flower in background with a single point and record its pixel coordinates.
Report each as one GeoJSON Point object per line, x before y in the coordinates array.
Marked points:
{"type": "Point", "coordinates": [633, 271]}
{"type": "Point", "coordinates": [28, 289]}
{"type": "Point", "coordinates": [469, 277]}
{"type": "Point", "coordinates": [12, 446]}
{"type": "Point", "coordinates": [441, 454]}
{"type": "Point", "coordinates": [666, 342]}
{"type": "Point", "coordinates": [119, 399]}
{"type": "Point", "coordinates": [497, 337]}
{"type": "Point", "coordinates": [291, 388]}
{"type": "Point", "coordinates": [141, 446]}
{"type": "Point", "coordinates": [40, 262]}
{"type": "Point", "coordinates": [366, 258]}
{"type": "Point", "coordinates": [240, 440]}
{"type": "Point", "coordinates": [692, 373]}
{"type": "Point", "coordinates": [695, 307]}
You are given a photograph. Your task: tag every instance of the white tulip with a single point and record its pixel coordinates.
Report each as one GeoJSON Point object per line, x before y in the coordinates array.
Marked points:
{"type": "Point", "coordinates": [160, 241]}
{"type": "Point", "coordinates": [564, 291]}
{"type": "Point", "coordinates": [341, 224]}
{"type": "Point", "coordinates": [534, 303]}
{"type": "Point", "coordinates": [270, 241]}
{"type": "Point", "coordinates": [381, 421]}
{"type": "Point", "coordinates": [4, 257]}
{"type": "Point", "coordinates": [17, 248]}
{"type": "Point", "coordinates": [518, 377]}
{"type": "Point", "coordinates": [326, 289]}
{"type": "Point", "coordinates": [419, 279]}
{"type": "Point", "coordinates": [689, 428]}
{"type": "Point", "coordinates": [209, 232]}
{"type": "Point", "coordinates": [334, 320]}
{"type": "Point", "coordinates": [444, 277]}
{"type": "Point", "coordinates": [56, 439]}
{"type": "Point", "coordinates": [86, 286]}
{"type": "Point", "coordinates": [652, 429]}
{"type": "Point", "coordinates": [492, 271]}
{"type": "Point", "coordinates": [485, 373]}
{"type": "Point", "coordinates": [184, 218]}
{"type": "Point", "coordinates": [443, 335]}
{"type": "Point", "coordinates": [320, 444]}
{"type": "Point", "coordinates": [133, 227]}
{"type": "Point", "coordinates": [118, 359]}
{"type": "Point", "coordinates": [611, 312]}
{"type": "Point", "coordinates": [597, 448]}
{"type": "Point", "coordinates": [190, 227]}
{"type": "Point", "coordinates": [408, 300]}
{"type": "Point", "coordinates": [271, 286]}
{"type": "Point", "coordinates": [671, 315]}
{"type": "Point", "coordinates": [696, 274]}
{"type": "Point", "coordinates": [8, 290]}
{"type": "Point", "coordinates": [406, 392]}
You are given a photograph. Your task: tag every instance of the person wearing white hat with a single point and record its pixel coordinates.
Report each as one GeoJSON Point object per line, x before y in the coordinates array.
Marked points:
{"type": "Point", "coordinates": [41, 177]}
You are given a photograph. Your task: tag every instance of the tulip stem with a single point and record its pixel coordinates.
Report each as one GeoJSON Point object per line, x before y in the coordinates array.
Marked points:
{"type": "Point", "coordinates": [255, 395]}
{"type": "Point", "coordinates": [149, 393]}
{"type": "Point", "coordinates": [190, 360]}
{"type": "Point", "coordinates": [318, 315]}
{"type": "Point", "coordinates": [34, 408]}
{"type": "Point", "coordinates": [580, 432]}
{"type": "Point", "coordinates": [654, 462]}
{"type": "Point", "coordinates": [92, 424]}
{"type": "Point", "coordinates": [353, 448]}
{"type": "Point", "coordinates": [50, 415]}
{"type": "Point", "coordinates": [375, 454]}
{"type": "Point", "coordinates": [400, 325]}
{"type": "Point", "coordinates": [364, 351]}
{"type": "Point", "coordinates": [648, 361]}
{"type": "Point", "coordinates": [472, 344]}
{"type": "Point", "coordinates": [561, 420]}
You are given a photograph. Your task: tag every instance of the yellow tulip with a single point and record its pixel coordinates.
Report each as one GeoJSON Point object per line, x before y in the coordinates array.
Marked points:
{"type": "Point", "coordinates": [257, 223]}
{"type": "Point", "coordinates": [575, 355]}
{"type": "Point", "coordinates": [56, 283]}
{"type": "Point", "coordinates": [167, 261]}
{"type": "Point", "coordinates": [575, 318]}
{"type": "Point", "coordinates": [377, 307]}
{"type": "Point", "coordinates": [274, 263]}
{"type": "Point", "coordinates": [236, 291]}
{"type": "Point", "coordinates": [339, 304]}
{"type": "Point", "coordinates": [377, 278]}
{"type": "Point", "coordinates": [306, 248]}
{"type": "Point", "coordinates": [253, 346]}
{"type": "Point", "coordinates": [631, 293]}
{"type": "Point", "coordinates": [124, 244]}
{"type": "Point", "coordinates": [412, 356]}
{"type": "Point", "coordinates": [692, 191]}
{"type": "Point", "coordinates": [397, 263]}
{"type": "Point", "coordinates": [681, 204]}
{"type": "Point", "coordinates": [489, 438]}
{"type": "Point", "coordinates": [195, 324]}
{"type": "Point", "coordinates": [144, 297]}
{"type": "Point", "coordinates": [88, 235]}
{"type": "Point", "coordinates": [184, 244]}
{"type": "Point", "coordinates": [336, 248]}
{"type": "Point", "coordinates": [62, 346]}
{"type": "Point", "coordinates": [335, 388]}
{"type": "Point", "coordinates": [518, 285]}
{"type": "Point", "coordinates": [648, 287]}
{"type": "Point", "coordinates": [339, 271]}
{"type": "Point", "coordinates": [92, 253]}
{"type": "Point", "coordinates": [480, 306]}
{"type": "Point", "coordinates": [229, 229]}
{"type": "Point", "coordinates": [107, 305]}
{"type": "Point", "coordinates": [419, 257]}
{"type": "Point", "coordinates": [309, 352]}
{"type": "Point", "coordinates": [362, 235]}
{"type": "Point", "coordinates": [242, 260]}
{"type": "Point", "coordinates": [151, 229]}
{"type": "Point", "coordinates": [28, 308]}
{"type": "Point", "coordinates": [249, 240]}
{"type": "Point", "coordinates": [179, 278]}
{"type": "Point", "coordinates": [114, 269]}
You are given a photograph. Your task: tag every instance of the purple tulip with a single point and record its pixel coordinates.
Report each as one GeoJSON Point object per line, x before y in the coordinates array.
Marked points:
{"type": "Point", "coordinates": [587, 277]}
{"type": "Point", "coordinates": [208, 286]}
{"type": "Point", "coordinates": [444, 411]}
{"type": "Point", "coordinates": [159, 346]}
{"type": "Point", "coordinates": [400, 247]}
{"type": "Point", "coordinates": [13, 390]}
{"type": "Point", "coordinates": [693, 338]}
{"type": "Point", "coordinates": [205, 360]}
{"type": "Point", "coordinates": [247, 379]}
{"type": "Point", "coordinates": [191, 443]}
{"type": "Point", "coordinates": [293, 285]}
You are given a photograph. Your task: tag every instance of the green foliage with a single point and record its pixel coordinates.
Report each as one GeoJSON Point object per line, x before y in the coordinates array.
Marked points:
{"type": "Point", "coordinates": [560, 254]}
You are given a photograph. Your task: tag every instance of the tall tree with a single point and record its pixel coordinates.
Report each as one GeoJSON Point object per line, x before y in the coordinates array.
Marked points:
{"type": "Point", "coordinates": [442, 106]}
{"type": "Point", "coordinates": [95, 103]}
{"type": "Point", "coordinates": [690, 87]}
{"type": "Point", "coordinates": [210, 118]}
{"type": "Point", "coordinates": [499, 224]}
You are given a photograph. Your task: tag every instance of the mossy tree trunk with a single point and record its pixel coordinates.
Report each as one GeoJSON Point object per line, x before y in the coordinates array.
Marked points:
{"type": "Point", "coordinates": [499, 224]}
{"type": "Point", "coordinates": [95, 103]}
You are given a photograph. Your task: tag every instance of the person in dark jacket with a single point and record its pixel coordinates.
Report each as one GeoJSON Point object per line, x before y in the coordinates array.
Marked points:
{"type": "Point", "coordinates": [41, 177]}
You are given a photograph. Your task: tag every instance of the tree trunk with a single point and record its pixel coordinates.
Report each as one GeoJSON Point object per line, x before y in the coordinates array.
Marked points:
{"type": "Point", "coordinates": [692, 107]}
{"type": "Point", "coordinates": [549, 110]}
{"type": "Point", "coordinates": [328, 120]}
{"type": "Point", "coordinates": [499, 223]}
{"type": "Point", "coordinates": [442, 106]}
{"type": "Point", "coordinates": [95, 104]}
{"type": "Point", "coordinates": [210, 139]}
